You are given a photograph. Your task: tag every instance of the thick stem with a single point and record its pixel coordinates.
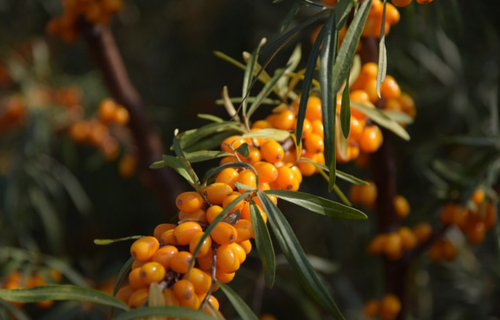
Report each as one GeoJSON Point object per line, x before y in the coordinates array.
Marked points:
{"type": "Point", "coordinates": [102, 46]}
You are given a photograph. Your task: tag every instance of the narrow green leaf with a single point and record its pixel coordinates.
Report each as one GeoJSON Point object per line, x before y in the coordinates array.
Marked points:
{"type": "Point", "coordinates": [268, 133]}
{"type": "Point", "coordinates": [61, 292]}
{"type": "Point", "coordinates": [122, 274]}
{"type": "Point", "coordinates": [329, 96]}
{"type": "Point", "coordinates": [210, 117]}
{"type": "Point", "coordinates": [243, 186]}
{"type": "Point", "coordinates": [178, 312]}
{"type": "Point", "coordinates": [380, 117]}
{"type": "Point", "coordinates": [295, 255]}
{"type": "Point", "coordinates": [105, 242]}
{"type": "Point", "coordinates": [251, 99]}
{"type": "Point", "coordinates": [244, 150]}
{"type": "Point", "coordinates": [209, 143]}
{"type": "Point", "coordinates": [342, 12]}
{"type": "Point", "coordinates": [345, 110]}
{"type": "Point", "coordinates": [248, 78]}
{"type": "Point", "coordinates": [399, 116]}
{"type": "Point", "coordinates": [291, 65]}
{"type": "Point", "coordinates": [341, 142]}
{"type": "Point", "coordinates": [290, 15]}
{"type": "Point", "coordinates": [306, 85]}
{"type": "Point", "coordinates": [239, 305]}
{"type": "Point", "coordinates": [264, 244]}
{"type": "Point", "coordinates": [190, 137]}
{"type": "Point", "coordinates": [268, 88]}
{"type": "Point", "coordinates": [174, 163]}
{"type": "Point", "coordinates": [382, 53]}
{"type": "Point", "coordinates": [340, 174]}
{"type": "Point", "coordinates": [205, 155]}
{"type": "Point", "coordinates": [319, 205]}
{"type": "Point", "coordinates": [342, 196]}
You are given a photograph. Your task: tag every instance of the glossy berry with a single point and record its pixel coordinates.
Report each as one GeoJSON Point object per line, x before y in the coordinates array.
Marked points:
{"type": "Point", "coordinates": [205, 247]}
{"type": "Point", "coordinates": [152, 272]}
{"type": "Point", "coordinates": [286, 179]}
{"type": "Point", "coordinates": [162, 228]}
{"type": "Point", "coordinates": [371, 139]}
{"type": "Point", "coordinates": [184, 232]}
{"type": "Point", "coordinates": [224, 233]}
{"type": "Point", "coordinates": [189, 201]}
{"type": "Point", "coordinates": [267, 171]}
{"type": "Point", "coordinates": [228, 176]}
{"type": "Point", "coordinates": [183, 289]}
{"type": "Point", "coordinates": [248, 178]}
{"type": "Point", "coordinates": [244, 230]}
{"type": "Point", "coordinates": [138, 298]}
{"type": "Point", "coordinates": [216, 192]}
{"type": "Point", "coordinates": [213, 212]}
{"type": "Point", "coordinates": [227, 260]}
{"type": "Point", "coordinates": [164, 255]}
{"type": "Point", "coordinates": [401, 206]}
{"type": "Point", "coordinates": [180, 262]}
{"type": "Point", "coordinates": [272, 151]}
{"type": "Point", "coordinates": [144, 248]}
{"type": "Point", "coordinates": [135, 280]}
{"type": "Point", "coordinates": [170, 298]}
{"type": "Point", "coordinates": [200, 279]}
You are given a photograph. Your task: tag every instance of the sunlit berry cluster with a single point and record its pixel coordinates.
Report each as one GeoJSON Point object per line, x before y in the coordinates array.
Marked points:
{"type": "Point", "coordinates": [386, 308]}
{"type": "Point", "coordinates": [474, 219]}
{"type": "Point", "coordinates": [93, 11]}
{"type": "Point", "coordinates": [19, 279]}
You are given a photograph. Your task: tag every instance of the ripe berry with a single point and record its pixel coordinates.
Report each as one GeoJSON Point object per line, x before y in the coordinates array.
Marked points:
{"type": "Point", "coordinates": [286, 179]}
{"type": "Point", "coordinates": [184, 232]}
{"type": "Point", "coordinates": [401, 206]}
{"type": "Point", "coordinates": [224, 277]}
{"type": "Point", "coordinates": [162, 227]}
{"type": "Point", "coordinates": [313, 109]}
{"type": "Point", "coordinates": [244, 229]}
{"type": "Point", "coordinates": [144, 248]}
{"type": "Point", "coordinates": [201, 280]}
{"type": "Point", "coordinates": [390, 306]}
{"type": "Point", "coordinates": [227, 261]}
{"type": "Point", "coordinates": [248, 178]}
{"type": "Point", "coordinates": [230, 198]}
{"type": "Point", "coordinates": [228, 176]}
{"type": "Point", "coordinates": [422, 231]}
{"type": "Point", "coordinates": [124, 293]}
{"type": "Point", "coordinates": [135, 280]}
{"type": "Point", "coordinates": [164, 255]}
{"type": "Point", "coordinates": [224, 233]}
{"type": "Point", "coordinates": [216, 192]}
{"type": "Point", "coordinates": [401, 3]}
{"type": "Point", "coordinates": [285, 120]}
{"type": "Point", "coordinates": [180, 261]}
{"type": "Point", "coordinates": [152, 272]}
{"type": "Point", "coordinates": [272, 151]}
{"type": "Point", "coordinates": [183, 289]}
{"type": "Point", "coordinates": [371, 139]}
{"type": "Point", "coordinates": [189, 201]}
{"type": "Point", "coordinates": [213, 212]}
{"type": "Point", "coordinates": [170, 298]}
{"type": "Point", "coordinates": [205, 247]}
{"type": "Point", "coordinates": [138, 298]}
{"type": "Point", "coordinates": [232, 143]}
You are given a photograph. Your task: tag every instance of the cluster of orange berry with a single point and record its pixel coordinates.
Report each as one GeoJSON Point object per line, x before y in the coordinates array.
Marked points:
{"type": "Point", "coordinates": [374, 21]}
{"type": "Point", "coordinates": [97, 132]}
{"type": "Point", "coordinates": [18, 279]}
{"type": "Point", "coordinates": [94, 11]}
{"type": "Point", "coordinates": [475, 219]}
{"type": "Point", "coordinates": [393, 245]}
{"type": "Point", "coordinates": [387, 308]}
{"type": "Point", "coordinates": [404, 3]}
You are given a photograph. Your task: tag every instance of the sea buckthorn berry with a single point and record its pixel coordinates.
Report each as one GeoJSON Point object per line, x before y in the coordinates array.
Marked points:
{"type": "Point", "coordinates": [170, 298]}
{"type": "Point", "coordinates": [228, 176]}
{"type": "Point", "coordinates": [239, 252]}
{"type": "Point", "coordinates": [216, 192]}
{"type": "Point", "coordinates": [392, 104]}
{"type": "Point", "coordinates": [138, 264]}
{"type": "Point", "coordinates": [144, 248]}
{"type": "Point", "coordinates": [162, 227]}
{"type": "Point", "coordinates": [212, 301]}
{"type": "Point", "coordinates": [401, 3]}
{"type": "Point", "coordinates": [230, 198]}
{"type": "Point", "coordinates": [124, 293]}
{"type": "Point", "coordinates": [167, 237]}
{"type": "Point", "coordinates": [391, 14]}
{"type": "Point", "coordinates": [227, 261]}
{"type": "Point", "coordinates": [164, 255]}
{"type": "Point", "coordinates": [232, 143]}
{"type": "Point", "coordinates": [246, 245]}
{"type": "Point", "coordinates": [314, 143]}
{"type": "Point", "coordinates": [224, 233]}
{"type": "Point", "coordinates": [80, 131]}
{"type": "Point", "coordinates": [180, 261]}
{"type": "Point", "coordinates": [245, 211]}
{"type": "Point", "coordinates": [272, 151]}
{"type": "Point", "coordinates": [408, 239]}
{"type": "Point", "coordinates": [248, 178]}
{"type": "Point", "coordinates": [407, 105]}
{"type": "Point", "coordinates": [422, 231]}
{"type": "Point", "coordinates": [261, 124]}
{"type": "Point", "coordinates": [368, 195]}
{"type": "Point", "coordinates": [401, 206]}
{"type": "Point", "coordinates": [389, 88]}
{"type": "Point", "coordinates": [371, 139]}
{"type": "Point", "coordinates": [244, 229]}
{"type": "Point", "coordinates": [267, 171]}
{"type": "Point", "coordinates": [106, 110]}
{"type": "Point", "coordinates": [253, 156]}
{"type": "Point", "coordinates": [286, 180]}
{"type": "Point", "coordinates": [390, 306]}
{"type": "Point", "coordinates": [393, 246]}
{"type": "Point", "coordinates": [371, 308]}
{"type": "Point", "coordinates": [296, 172]}
{"type": "Point", "coordinates": [356, 129]}
{"type": "Point", "coordinates": [121, 116]}
{"type": "Point", "coordinates": [183, 289]}
{"type": "Point", "coordinates": [263, 186]}
{"type": "Point", "coordinates": [448, 249]}
{"type": "Point", "coordinates": [199, 216]}
{"type": "Point", "coordinates": [452, 213]}
{"type": "Point", "coordinates": [152, 272]}
{"type": "Point", "coordinates": [213, 212]}
{"type": "Point", "coordinates": [224, 277]}
{"type": "Point", "coordinates": [135, 280]}
{"type": "Point", "coordinates": [307, 169]}
{"type": "Point", "coordinates": [200, 279]}
{"type": "Point", "coordinates": [477, 196]}
{"type": "Point", "coordinates": [205, 247]}
{"type": "Point", "coordinates": [377, 244]}
{"type": "Point", "coordinates": [285, 120]}
{"type": "Point", "coordinates": [191, 303]}
{"type": "Point", "coordinates": [313, 109]}
{"type": "Point", "coordinates": [189, 201]}
{"type": "Point", "coordinates": [307, 128]}
{"type": "Point", "coordinates": [490, 216]}
{"type": "Point", "coordinates": [205, 262]}
{"type": "Point", "coordinates": [228, 159]}
{"type": "Point", "coordinates": [317, 126]}
{"type": "Point", "coordinates": [476, 233]}
{"type": "Point", "coordinates": [138, 298]}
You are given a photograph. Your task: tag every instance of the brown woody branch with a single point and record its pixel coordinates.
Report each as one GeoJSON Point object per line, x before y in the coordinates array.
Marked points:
{"type": "Point", "coordinates": [164, 183]}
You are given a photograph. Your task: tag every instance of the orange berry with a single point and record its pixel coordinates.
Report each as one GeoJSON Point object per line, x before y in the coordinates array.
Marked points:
{"type": "Point", "coordinates": [389, 89]}
{"type": "Point", "coordinates": [205, 262]}
{"type": "Point", "coordinates": [205, 247]}
{"type": "Point", "coordinates": [164, 255]}
{"type": "Point", "coordinates": [217, 191]}
{"type": "Point", "coordinates": [313, 109]}
{"type": "Point", "coordinates": [261, 124]}
{"type": "Point", "coordinates": [228, 159]}
{"type": "Point", "coordinates": [285, 120]}
{"type": "Point", "coordinates": [152, 272]}
{"type": "Point", "coordinates": [391, 14]}
{"type": "Point", "coordinates": [224, 233]}
{"type": "Point", "coordinates": [170, 298]}
{"type": "Point", "coordinates": [449, 251]}
{"type": "Point", "coordinates": [80, 131]}
{"type": "Point", "coordinates": [317, 127]}
{"type": "Point", "coordinates": [167, 237]}
{"type": "Point", "coordinates": [371, 139]}
{"type": "Point", "coordinates": [138, 298]}
{"type": "Point", "coordinates": [191, 303]}
{"type": "Point", "coordinates": [307, 128]}
{"type": "Point", "coordinates": [371, 309]}
{"type": "Point", "coordinates": [367, 195]}
{"type": "Point", "coordinates": [267, 171]}
{"type": "Point", "coordinates": [401, 206]}
{"type": "Point", "coordinates": [314, 143]}
{"type": "Point", "coordinates": [246, 245]}
{"type": "Point", "coordinates": [121, 116]}
{"type": "Point", "coordinates": [213, 302]}
{"type": "Point", "coordinates": [162, 227]}
{"type": "Point", "coordinates": [286, 180]}
{"type": "Point", "coordinates": [224, 277]}
{"type": "Point", "coordinates": [422, 231]}
{"type": "Point", "coordinates": [135, 280]}
{"type": "Point", "coordinates": [227, 261]}
{"type": "Point", "coordinates": [199, 215]}
{"type": "Point", "coordinates": [180, 261]}
{"type": "Point", "coordinates": [200, 280]}
{"type": "Point", "coordinates": [124, 293]}
{"type": "Point", "coordinates": [144, 248]}
{"type": "Point", "coordinates": [407, 104]}
{"type": "Point", "coordinates": [272, 151]}
{"type": "Point", "coordinates": [183, 289]}
{"type": "Point", "coordinates": [477, 196]}
{"type": "Point", "coordinates": [232, 143]}
{"type": "Point", "coordinates": [189, 201]}
{"type": "Point", "coordinates": [244, 229]}
{"type": "Point", "coordinates": [377, 244]}
{"type": "Point", "coordinates": [253, 156]}
{"type": "Point", "coordinates": [248, 178]}
{"type": "Point", "coordinates": [307, 169]}
{"type": "Point", "coordinates": [228, 176]}
{"type": "Point", "coordinates": [106, 110]}
{"type": "Point", "coordinates": [390, 306]}
{"type": "Point", "coordinates": [184, 232]}
{"type": "Point", "coordinates": [296, 172]}
{"type": "Point", "coordinates": [401, 3]}
{"type": "Point", "coordinates": [213, 212]}
{"type": "Point", "coordinates": [408, 239]}
{"type": "Point", "coordinates": [393, 246]}
{"type": "Point", "coordinates": [476, 233]}
{"type": "Point", "coordinates": [239, 252]}
{"type": "Point", "coordinates": [230, 198]}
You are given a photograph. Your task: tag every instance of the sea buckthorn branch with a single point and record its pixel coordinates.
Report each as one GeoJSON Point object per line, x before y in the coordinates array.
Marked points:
{"type": "Point", "coordinates": [102, 46]}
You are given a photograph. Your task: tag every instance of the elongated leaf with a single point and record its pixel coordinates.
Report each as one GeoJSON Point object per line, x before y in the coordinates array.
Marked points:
{"type": "Point", "coordinates": [210, 117]}
{"type": "Point", "coordinates": [268, 88]}
{"type": "Point", "coordinates": [244, 150]}
{"type": "Point", "coordinates": [290, 15]}
{"type": "Point", "coordinates": [229, 105]}
{"type": "Point", "coordinates": [340, 174]}
{"type": "Point", "coordinates": [399, 116]}
{"type": "Point", "coordinates": [318, 204]}
{"type": "Point", "coordinates": [379, 117]}
{"type": "Point", "coordinates": [61, 292]}
{"type": "Point", "coordinates": [104, 242]}
{"type": "Point", "coordinates": [382, 53]}
{"type": "Point", "coordinates": [190, 137]}
{"type": "Point", "coordinates": [264, 244]}
{"type": "Point", "coordinates": [291, 65]}
{"type": "Point", "coordinates": [306, 85]}
{"type": "Point", "coordinates": [248, 78]}
{"type": "Point", "coordinates": [239, 305]}
{"type": "Point", "coordinates": [178, 312]}
{"type": "Point", "coordinates": [295, 255]}
{"type": "Point", "coordinates": [251, 99]}
{"type": "Point", "coordinates": [187, 165]}
{"type": "Point", "coordinates": [122, 274]}
{"type": "Point", "coordinates": [209, 143]}
{"type": "Point", "coordinates": [269, 133]}
{"type": "Point", "coordinates": [345, 111]}
{"type": "Point", "coordinates": [342, 12]}
{"type": "Point", "coordinates": [204, 155]}
{"type": "Point", "coordinates": [340, 141]}
{"type": "Point", "coordinates": [174, 163]}
{"type": "Point", "coordinates": [328, 96]}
